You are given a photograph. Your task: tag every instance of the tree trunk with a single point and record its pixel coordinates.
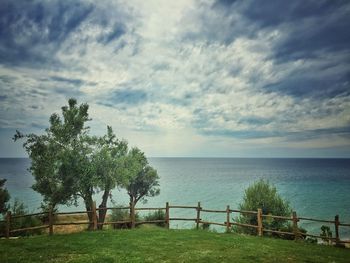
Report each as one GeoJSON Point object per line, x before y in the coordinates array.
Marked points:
{"type": "Point", "coordinates": [132, 211]}
{"type": "Point", "coordinates": [88, 205]}
{"type": "Point", "coordinates": [102, 212]}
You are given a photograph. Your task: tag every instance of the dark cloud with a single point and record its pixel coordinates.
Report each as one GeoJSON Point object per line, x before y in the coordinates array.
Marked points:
{"type": "Point", "coordinates": [317, 87]}
{"type": "Point", "coordinates": [76, 82]}
{"type": "Point", "coordinates": [32, 31]}
{"type": "Point", "coordinates": [316, 36]}
{"type": "Point", "coordinates": [240, 134]}
{"type": "Point", "coordinates": [315, 30]}
{"type": "Point", "coordinates": [275, 12]}
{"type": "Point", "coordinates": [288, 136]}
{"type": "Point", "coordinates": [116, 32]}
{"type": "Point", "coordinates": [255, 120]}
{"type": "Point", "coordinates": [124, 97]}
{"type": "Point", "coordinates": [7, 79]}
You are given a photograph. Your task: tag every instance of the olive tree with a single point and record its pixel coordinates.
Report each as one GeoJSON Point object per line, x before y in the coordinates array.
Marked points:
{"type": "Point", "coordinates": [143, 180]}
{"type": "Point", "coordinates": [53, 153]}
{"type": "Point", "coordinates": [68, 163]}
{"type": "Point", "coordinates": [109, 169]}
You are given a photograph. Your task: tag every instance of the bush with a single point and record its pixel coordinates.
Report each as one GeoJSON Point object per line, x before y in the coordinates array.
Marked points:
{"type": "Point", "coordinates": [122, 215]}
{"type": "Point", "coordinates": [289, 228]}
{"type": "Point", "coordinates": [205, 226]}
{"type": "Point", "coordinates": [326, 234]}
{"type": "Point", "coordinates": [263, 195]}
{"type": "Point", "coordinates": [156, 215]}
{"type": "Point", "coordinates": [24, 222]}
{"type": "Point", "coordinates": [311, 240]}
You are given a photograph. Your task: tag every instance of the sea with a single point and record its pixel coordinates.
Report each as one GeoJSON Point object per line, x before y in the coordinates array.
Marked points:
{"type": "Point", "coordinates": [315, 188]}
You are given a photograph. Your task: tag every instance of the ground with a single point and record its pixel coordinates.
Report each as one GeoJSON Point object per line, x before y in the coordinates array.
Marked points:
{"type": "Point", "coordinates": [161, 245]}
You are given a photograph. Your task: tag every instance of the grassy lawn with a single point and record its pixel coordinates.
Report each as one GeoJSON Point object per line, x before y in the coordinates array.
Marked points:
{"type": "Point", "coordinates": [160, 245]}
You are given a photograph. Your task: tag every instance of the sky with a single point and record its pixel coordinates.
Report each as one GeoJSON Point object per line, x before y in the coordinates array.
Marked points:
{"type": "Point", "coordinates": [182, 78]}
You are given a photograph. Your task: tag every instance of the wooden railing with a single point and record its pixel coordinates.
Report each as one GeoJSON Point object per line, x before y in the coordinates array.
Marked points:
{"type": "Point", "coordinates": [131, 221]}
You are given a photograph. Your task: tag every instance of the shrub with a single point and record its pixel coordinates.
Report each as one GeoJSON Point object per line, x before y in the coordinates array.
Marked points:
{"type": "Point", "coordinates": [289, 228]}
{"type": "Point", "coordinates": [24, 222]}
{"type": "Point", "coordinates": [156, 215]}
{"type": "Point", "coordinates": [205, 226]}
{"type": "Point", "coordinates": [122, 215]}
{"type": "Point", "coordinates": [311, 240]}
{"type": "Point", "coordinates": [326, 234]}
{"type": "Point", "coordinates": [263, 195]}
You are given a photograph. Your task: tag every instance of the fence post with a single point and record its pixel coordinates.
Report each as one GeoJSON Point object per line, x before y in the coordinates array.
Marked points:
{"type": "Point", "coordinates": [228, 219]}
{"type": "Point", "coordinates": [50, 221]}
{"type": "Point", "coordinates": [295, 225]}
{"type": "Point", "coordinates": [260, 227]}
{"type": "Point", "coordinates": [336, 225]}
{"type": "Point", "coordinates": [198, 215]}
{"type": "Point", "coordinates": [167, 216]}
{"type": "Point", "coordinates": [94, 215]}
{"type": "Point", "coordinates": [8, 224]}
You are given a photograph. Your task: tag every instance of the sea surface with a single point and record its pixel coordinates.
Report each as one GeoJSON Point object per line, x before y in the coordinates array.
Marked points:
{"type": "Point", "coordinates": [316, 188]}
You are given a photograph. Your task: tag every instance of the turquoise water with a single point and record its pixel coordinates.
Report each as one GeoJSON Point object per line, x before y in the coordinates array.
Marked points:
{"type": "Point", "coordinates": [318, 188]}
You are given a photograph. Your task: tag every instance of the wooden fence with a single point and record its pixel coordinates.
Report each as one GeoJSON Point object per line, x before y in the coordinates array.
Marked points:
{"type": "Point", "coordinates": [260, 230]}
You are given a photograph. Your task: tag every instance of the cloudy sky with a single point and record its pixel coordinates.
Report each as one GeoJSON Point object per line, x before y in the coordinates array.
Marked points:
{"type": "Point", "coordinates": [185, 77]}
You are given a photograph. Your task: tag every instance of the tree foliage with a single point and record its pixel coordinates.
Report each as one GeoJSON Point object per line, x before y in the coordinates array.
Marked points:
{"type": "Point", "coordinates": [263, 195]}
{"type": "Point", "coordinates": [55, 153]}
{"type": "Point", "coordinates": [143, 180]}
{"type": "Point", "coordinates": [108, 161]}
{"type": "Point", "coordinates": [68, 163]}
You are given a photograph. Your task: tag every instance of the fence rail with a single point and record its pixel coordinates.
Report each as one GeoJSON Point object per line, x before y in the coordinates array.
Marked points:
{"type": "Point", "coordinates": [131, 221]}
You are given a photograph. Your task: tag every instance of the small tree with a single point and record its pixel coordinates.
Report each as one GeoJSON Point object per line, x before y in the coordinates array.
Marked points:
{"type": "Point", "coordinates": [143, 179]}
{"type": "Point", "coordinates": [263, 195]}
{"type": "Point", "coordinates": [4, 197]}
{"type": "Point", "coordinates": [54, 153]}
{"type": "Point", "coordinates": [68, 163]}
{"type": "Point", "coordinates": [108, 163]}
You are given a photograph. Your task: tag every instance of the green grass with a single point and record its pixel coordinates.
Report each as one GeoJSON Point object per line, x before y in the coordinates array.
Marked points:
{"type": "Point", "coordinates": [160, 245]}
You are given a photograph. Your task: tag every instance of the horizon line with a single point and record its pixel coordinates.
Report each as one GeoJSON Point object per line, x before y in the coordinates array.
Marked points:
{"type": "Point", "coordinates": [221, 157]}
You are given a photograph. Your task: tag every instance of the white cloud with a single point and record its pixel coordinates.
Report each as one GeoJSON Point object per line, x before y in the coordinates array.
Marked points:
{"type": "Point", "coordinates": [165, 52]}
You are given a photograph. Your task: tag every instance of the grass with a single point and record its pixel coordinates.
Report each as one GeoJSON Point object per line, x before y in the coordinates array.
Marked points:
{"type": "Point", "coordinates": [151, 244]}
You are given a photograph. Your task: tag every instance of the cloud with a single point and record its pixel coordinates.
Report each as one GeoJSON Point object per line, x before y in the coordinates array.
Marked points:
{"type": "Point", "coordinates": [126, 97]}
{"type": "Point", "coordinates": [32, 31]}
{"type": "Point", "coordinates": [211, 75]}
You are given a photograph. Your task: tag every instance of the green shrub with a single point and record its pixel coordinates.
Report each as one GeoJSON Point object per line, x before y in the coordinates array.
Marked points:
{"type": "Point", "coordinates": [311, 240]}
{"type": "Point", "coordinates": [326, 234]}
{"type": "Point", "coordinates": [18, 209]}
{"type": "Point", "coordinates": [289, 228]}
{"type": "Point", "coordinates": [205, 226]}
{"type": "Point", "coordinates": [262, 195]}
{"type": "Point", "coordinates": [122, 215]}
{"type": "Point", "coordinates": [156, 215]}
